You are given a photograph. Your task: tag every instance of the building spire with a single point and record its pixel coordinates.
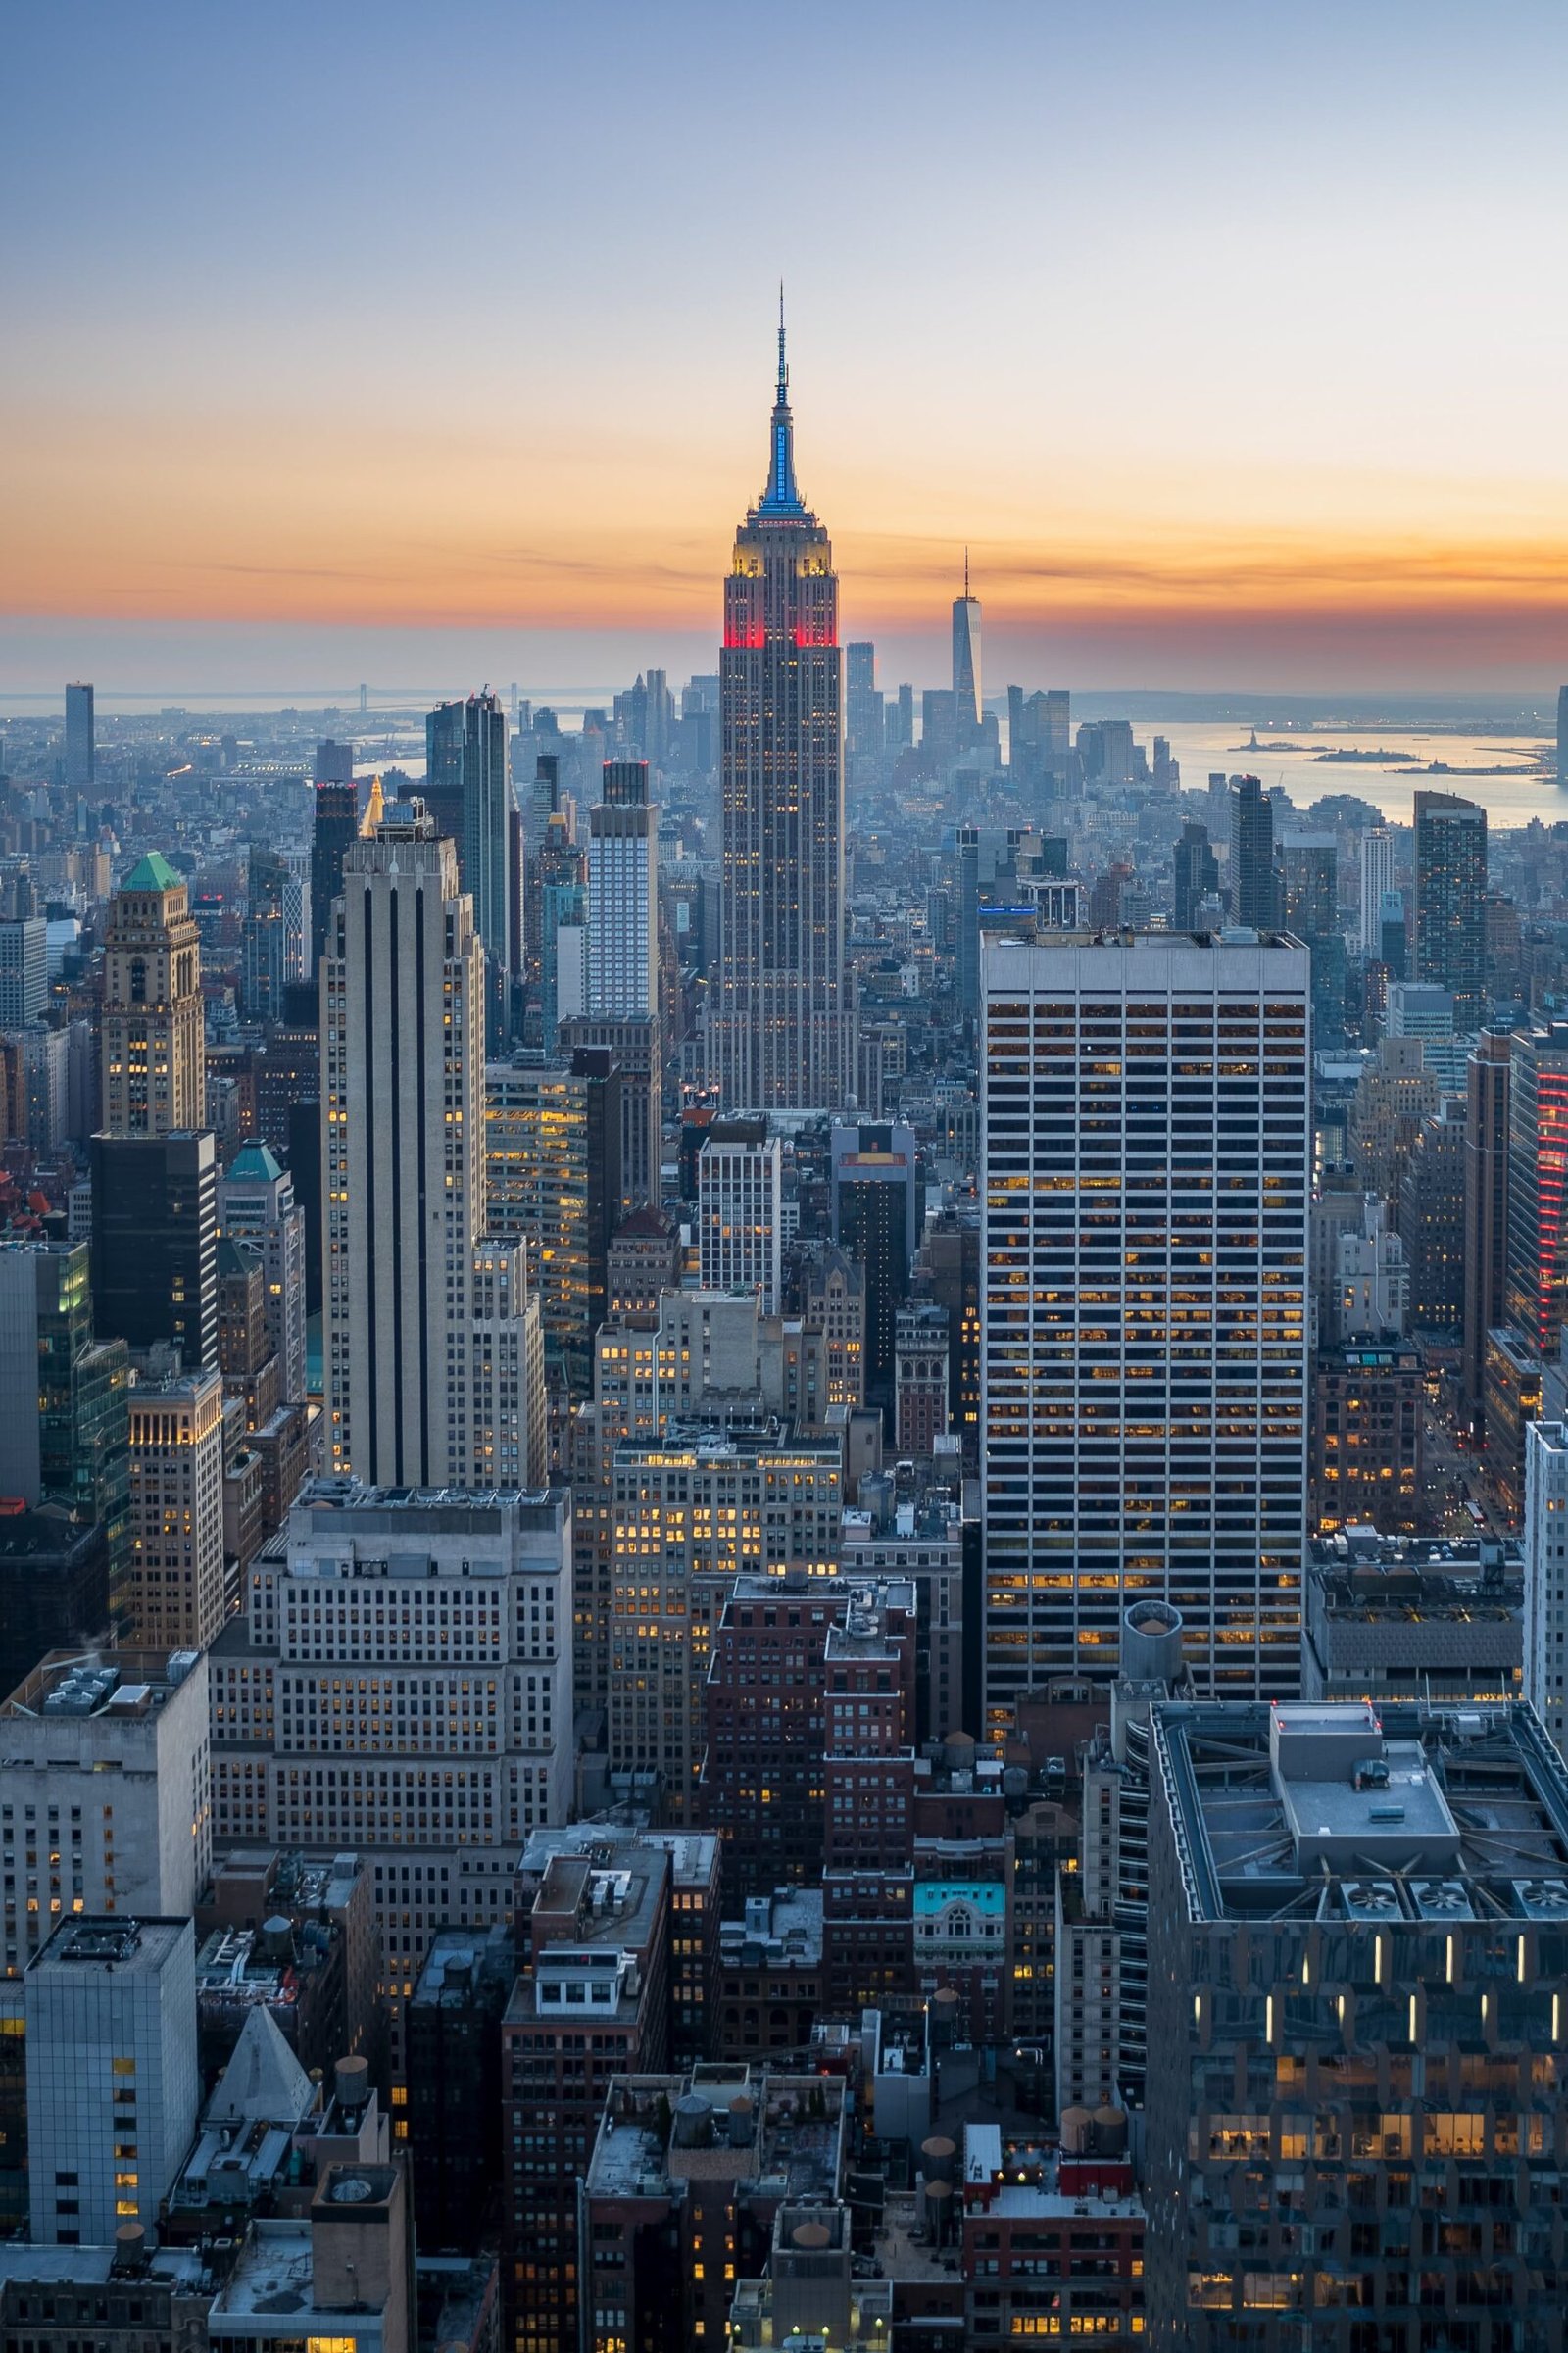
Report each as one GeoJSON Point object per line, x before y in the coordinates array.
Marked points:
{"type": "Point", "coordinates": [966, 572]}
{"type": "Point", "coordinates": [782, 495]}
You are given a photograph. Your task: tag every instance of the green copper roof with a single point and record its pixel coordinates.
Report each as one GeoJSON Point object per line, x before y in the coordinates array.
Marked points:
{"type": "Point", "coordinates": [255, 1161]}
{"type": "Point", "coordinates": [153, 873]}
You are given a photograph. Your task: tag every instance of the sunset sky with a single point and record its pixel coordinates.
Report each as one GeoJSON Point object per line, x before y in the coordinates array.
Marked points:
{"type": "Point", "coordinates": [416, 341]}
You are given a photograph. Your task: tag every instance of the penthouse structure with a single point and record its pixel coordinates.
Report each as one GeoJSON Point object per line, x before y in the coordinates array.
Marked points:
{"type": "Point", "coordinates": [693, 1861]}
{"type": "Point", "coordinates": [1358, 1933]}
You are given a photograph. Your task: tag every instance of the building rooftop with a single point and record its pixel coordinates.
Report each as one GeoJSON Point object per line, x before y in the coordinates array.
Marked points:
{"type": "Point", "coordinates": [997, 952]}
{"type": "Point", "coordinates": [1370, 1573]}
{"type": "Point", "coordinates": [448, 1510]}
{"type": "Point", "coordinates": [459, 1962]}
{"type": "Point", "coordinates": [22, 2261]}
{"type": "Point", "coordinates": [784, 1927]}
{"type": "Point", "coordinates": [253, 1165]}
{"type": "Point", "coordinates": [692, 1854]}
{"type": "Point", "coordinates": [1346, 1811]}
{"type": "Point", "coordinates": [153, 873]}
{"type": "Point", "coordinates": [659, 2130]}
{"type": "Point", "coordinates": [108, 1944]}
{"type": "Point", "coordinates": [125, 1686]}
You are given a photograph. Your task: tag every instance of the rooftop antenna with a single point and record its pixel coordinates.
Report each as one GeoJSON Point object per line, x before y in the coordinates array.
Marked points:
{"type": "Point", "coordinates": [966, 575]}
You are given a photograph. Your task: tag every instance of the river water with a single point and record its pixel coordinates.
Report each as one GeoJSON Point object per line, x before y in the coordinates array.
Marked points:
{"type": "Point", "coordinates": [1292, 758]}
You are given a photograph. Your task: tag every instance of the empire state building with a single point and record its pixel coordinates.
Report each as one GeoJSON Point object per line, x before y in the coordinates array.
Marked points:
{"type": "Point", "coordinates": [783, 1026]}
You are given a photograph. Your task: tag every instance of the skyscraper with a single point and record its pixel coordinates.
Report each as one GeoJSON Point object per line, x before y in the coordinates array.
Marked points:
{"type": "Point", "coordinates": [403, 1142]}
{"type": "Point", "coordinates": [111, 2016]}
{"type": "Point", "coordinates": [81, 751]}
{"type": "Point", "coordinates": [1451, 901]}
{"type": "Point", "coordinates": [155, 1242]}
{"type": "Point", "coordinates": [153, 1044]}
{"type": "Point", "coordinates": [1253, 882]}
{"type": "Point", "coordinates": [1563, 735]}
{"type": "Point", "coordinates": [1486, 1207]}
{"type": "Point", "coordinates": [337, 823]}
{"type": "Point", "coordinates": [468, 797]}
{"type": "Point", "coordinates": [862, 704]}
{"type": "Point", "coordinates": [966, 662]}
{"type": "Point", "coordinates": [24, 972]}
{"type": "Point", "coordinates": [782, 1018]}
{"type": "Point", "coordinates": [178, 1600]}
{"type": "Point", "coordinates": [1194, 875]}
{"type": "Point", "coordinates": [443, 771]}
{"type": "Point", "coordinates": [1535, 1289]}
{"type": "Point", "coordinates": [1146, 1161]}
{"type": "Point", "coordinates": [621, 979]}
{"type": "Point", "coordinates": [256, 1204]}
{"type": "Point", "coordinates": [485, 846]}
{"type": "Point", "coordinates": [1376, 877]}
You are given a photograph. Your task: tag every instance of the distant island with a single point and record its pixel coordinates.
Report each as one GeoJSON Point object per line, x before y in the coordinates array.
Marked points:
{"type": "Point", "coordinates": [1381, 758]}
{"type": "Point", "coordinates": [1282, 743]}
{"type": "Point", "coordinates": [1445, 767]}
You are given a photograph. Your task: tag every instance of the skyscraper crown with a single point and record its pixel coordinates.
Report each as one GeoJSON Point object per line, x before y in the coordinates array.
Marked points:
{"type": "Point", "coordinates": [782, 495]}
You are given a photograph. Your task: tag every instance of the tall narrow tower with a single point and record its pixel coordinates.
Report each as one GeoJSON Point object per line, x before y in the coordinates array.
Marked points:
{"type": "Point", "coordinates": [967, 660]}
{"type": "Point", "coordinates": [153, 1046]}
{"type": "Point", "coordinates": [403, 1078]}
{"type": "Point", "coordinates": [781, 1018]}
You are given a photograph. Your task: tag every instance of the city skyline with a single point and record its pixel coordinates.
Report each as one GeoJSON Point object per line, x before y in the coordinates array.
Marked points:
{"type": "Point", "coordinates": [1204, 429]}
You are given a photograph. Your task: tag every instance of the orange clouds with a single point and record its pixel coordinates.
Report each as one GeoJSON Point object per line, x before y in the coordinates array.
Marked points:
{"type": "Point", "coordinates": [286, 517]}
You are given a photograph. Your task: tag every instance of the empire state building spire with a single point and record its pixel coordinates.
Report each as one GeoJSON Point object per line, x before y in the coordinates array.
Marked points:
{"type": "Point", "coordinates": [781, 1040]}
{"type": "Point", "coordinates": [782, 495]}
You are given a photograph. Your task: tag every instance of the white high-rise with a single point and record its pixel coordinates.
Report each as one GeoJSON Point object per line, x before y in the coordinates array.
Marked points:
{"type": "Point", "coordinates": [112, 2086]}
{"type": "Point", "coordinates": [621, 981]}
{"type": "Point", "coordinates": [1146, 1165]}
{"type": "Point", "coordinates": [1377, 876]}
{"type": "Point", "coordinates": [740, 1211]}
{"type": "Point", "coordinates": [410, 1370]}
{"type": "Point", "coordinates": [1546, 1634]}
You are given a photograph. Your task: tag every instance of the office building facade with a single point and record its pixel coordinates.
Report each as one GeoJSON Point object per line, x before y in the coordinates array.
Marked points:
{"type": "Point", "coordinates": [107, 1802]}
{"type": "Point", "coordinates": [1451, 901]}
{"type": "Point", "coordinates": [81, 749]}
{"type": "Point", "coordinates": [24, 972]}
{"type": "Point", "coordinates": [155, 1243]}
{"type": "Point", "coordinates": [1254, 878]}
{"type": "Point", "coordinates": [112, 2086]}
{"type": "Point", "coordinates": [178, 1593]}
{"type": "Point", "coordinates": [740, 1211]}
{"type": "Point", "coordinates": [1146, 1171]}
{"type": "Point", "coordinates": [1359, 1931]}
{"type": "Point", "coordinates": [335, 823]}
{"type": "Point", "coordinates": [400, 1683]}
{"type": "Point", "coordinates": [621, 976]}
{"type": "Point", "coordinates": [255, 1204]}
